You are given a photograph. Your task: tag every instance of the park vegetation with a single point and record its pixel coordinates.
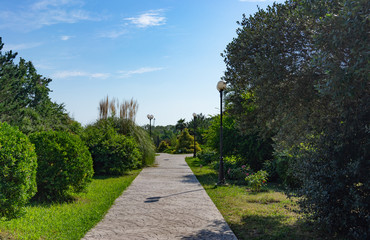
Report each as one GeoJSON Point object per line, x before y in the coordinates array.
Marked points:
{"type": "Point", "coordinates": [49, 159]}
{"type": "Point", "coordinates": [297, 117]}
{"type": "Point", "coordinates": [297, 110]}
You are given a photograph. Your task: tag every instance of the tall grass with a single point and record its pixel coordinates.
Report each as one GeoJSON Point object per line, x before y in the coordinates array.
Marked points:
{"type": "Point", "coordinates": [125, 124]}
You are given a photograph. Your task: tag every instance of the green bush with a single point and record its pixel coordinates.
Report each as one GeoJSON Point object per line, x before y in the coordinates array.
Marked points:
{"type": "Point", "coordinates": [256, 180]}
{"type": "Point", "coordinates": [234, 168]}
{"type": "Point", "coordinates": [207, 156]}
{"type": "Point", "coordinates": [112, 153]}
{"type": "Point", "coordinates": [185, 143]}
{"type": "Point", "coordinates": [64, 164]}
{"type": "Point", "coordinates": [18, 163]}
{"type": "Point", "coordinates": [163, 146]}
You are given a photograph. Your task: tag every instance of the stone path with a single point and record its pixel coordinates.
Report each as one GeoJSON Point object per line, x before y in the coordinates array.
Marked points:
{"type": "Point", "coordinates": [164, 202]}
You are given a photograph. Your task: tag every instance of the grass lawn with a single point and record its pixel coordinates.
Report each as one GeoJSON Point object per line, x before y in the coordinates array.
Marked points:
{"type": "Point", "coordinates": [265, 215]}
{"type": "Point", "coordinates": [68, 220]}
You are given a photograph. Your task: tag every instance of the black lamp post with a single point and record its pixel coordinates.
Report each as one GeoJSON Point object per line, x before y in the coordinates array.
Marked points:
{"type": "Point", "coordinates": [195, 126]}
{"type": "Point", "coordinates": [150, 117]}
{"type": "Point", "coordinates": [221, 86]}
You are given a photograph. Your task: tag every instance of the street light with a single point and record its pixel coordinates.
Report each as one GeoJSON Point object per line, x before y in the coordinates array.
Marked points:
{"type": "Point", "coordinates": [221, 86]}
{"type": "Point", "coordinates": [150, 117]}
{"type": "Point", "coordinates": [195, 150]}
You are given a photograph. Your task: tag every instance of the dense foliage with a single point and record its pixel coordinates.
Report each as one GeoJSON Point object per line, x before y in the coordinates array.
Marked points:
{"type": "Point", "coordinates": [306, 65]}
{"type": "Point", "coordinates": [252, 149]}
{"type": "Point", "coordinates": [112, 153]}
{"type": "Point", "coordinates": [185, 143]}
{"type": "Point", "coordinates": [64, 164]}
{"type": "Point", "coordinates": [18, 163]}
{"type": "Point", "coordinates": [24, 97]}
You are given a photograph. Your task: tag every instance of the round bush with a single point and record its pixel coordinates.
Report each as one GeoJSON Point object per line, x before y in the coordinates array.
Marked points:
{"type": "Point", "coordinates": [64, 164]}
{"type": "Point", "coordinates": [112, 153]}
{"type": "Point", "coordinates": [18, 163]}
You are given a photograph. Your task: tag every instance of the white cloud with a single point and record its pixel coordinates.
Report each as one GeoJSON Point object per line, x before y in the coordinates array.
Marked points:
{"type": "Point", "coordinates": [71, 74]}
{"type": "Point", "coordinates": [65, 38]}
{"type": "Point", "coordinates": [44, 13]}
{"type": "Point", "coordinates": [148, 19]}
{"type": "Point", "coordinates": [21, 46]}
{"type": "Point", "coordinates": [113, 33]}
{"type": "Point", "coordinates": [126, 74]}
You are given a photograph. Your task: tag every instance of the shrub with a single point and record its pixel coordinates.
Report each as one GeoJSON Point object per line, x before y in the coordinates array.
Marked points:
{"type": "Point", "coordinates": [207, 156]}
{"type": "Point", "coordinates": [163, 146]}
{"type": "Point", "coordinates": [112, 153]}
{"type": "Point", "coordinates": [18, 163]}
{"type": "Point", "coordinates": [257, 180]}
{"type": "Point", "coordinates": [64, 164]}
{"type": "Point", "coordinates": [185, 143]}
{"type": "Point", "coordinates": [238, 173]}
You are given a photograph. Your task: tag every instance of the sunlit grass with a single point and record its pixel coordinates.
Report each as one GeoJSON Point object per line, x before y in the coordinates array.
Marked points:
{"type": "Point", "coordinates": [264, 215]}
{"type": "Point", "coordinates": [68, 220]}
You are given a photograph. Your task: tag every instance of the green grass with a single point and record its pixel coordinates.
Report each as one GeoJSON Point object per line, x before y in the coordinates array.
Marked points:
{"type": "Point", "coordinates": [264, 215]}
{"type": "Point", "coordinates": [68, 220]}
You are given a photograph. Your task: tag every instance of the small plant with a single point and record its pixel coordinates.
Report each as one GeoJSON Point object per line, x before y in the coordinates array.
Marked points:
{"type": "Point", "coordinates": [18, 163]}
{"type": "Point", "coordinates": [257, 180]}
{"type": "Point", "coordinates": [238, 173]}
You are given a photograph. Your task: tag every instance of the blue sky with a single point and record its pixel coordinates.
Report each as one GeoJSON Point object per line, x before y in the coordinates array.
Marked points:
{"type": "Point", "coordinates": [163, 53]}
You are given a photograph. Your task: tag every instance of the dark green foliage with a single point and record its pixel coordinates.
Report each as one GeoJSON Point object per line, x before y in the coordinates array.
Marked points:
{"type": "Point", "coordinates": [24, 97]}
{"type": "Point", "coordinates": [254, 150]}
{"type": "Point", "coordinates": [112, 153]}
{"type": "Point", "coordinates": [201, 123]}
{"type": "Point", "coordinates": [180, 125]}
{"type": "Point", "coordinates": [185, 143]}
{"type": "Point", "coordinates": [163, 133]}
{"type": "Point", "coordinates": [306, 63]}
{"type": "Point", "coordinates": [208, 156]}
{"type": "Point", "coordinates": [163, 146]}
{"type": "Point", "coordinates": [64, 164]}
{"type": "Point", "coordinates": [128, 128]}
{"type": "Point", "coordinates": [18, 163]}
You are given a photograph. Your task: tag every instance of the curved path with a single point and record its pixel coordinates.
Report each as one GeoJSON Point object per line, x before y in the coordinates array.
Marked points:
{"type": "Point", "coordinates": [163, 202]}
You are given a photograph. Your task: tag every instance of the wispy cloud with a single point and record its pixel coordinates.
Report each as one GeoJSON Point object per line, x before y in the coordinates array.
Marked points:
{"type": "Point", "coordinates": [148, 19]}
{"type": "Point", "coordinates": [126, 74]}
{"type": "Point", "coordinates": [71, 74]}
{"type": "Point", "coordinates": [20, 46]}
{"type": "Point", "coordinates": [44, 13]}
{"type": "Point", "coordinates": [65, 38]}
{"type": "Point", "coordinates": [113, 33]}
{"type": "Point", "coordinates": [119, 74]}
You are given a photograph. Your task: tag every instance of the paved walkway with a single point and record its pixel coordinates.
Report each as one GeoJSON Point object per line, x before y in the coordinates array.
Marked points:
{"type": "Point", "coordinates": [164, 202]}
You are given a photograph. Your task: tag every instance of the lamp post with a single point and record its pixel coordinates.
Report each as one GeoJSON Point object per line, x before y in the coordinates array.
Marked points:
{"type": "Point", "coordinates": [195, 150]}
{"type": "Point", "coordinates": [221, 86]}
{"type": "Point", "coordinates": [150, 117]}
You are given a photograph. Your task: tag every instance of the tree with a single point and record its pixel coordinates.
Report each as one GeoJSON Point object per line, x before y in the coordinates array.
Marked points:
{"type": "Point", "coordinates": [185, 143]}
{"type": "Point", "coordinates": [306, 65]}
{"type": "Point", "coordinates": [24, 97]}
{"type": "Point", "coordinates": [180, 125]}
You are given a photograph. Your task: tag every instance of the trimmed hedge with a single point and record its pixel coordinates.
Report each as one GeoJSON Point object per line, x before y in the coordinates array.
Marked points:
{"type": "Point", "coordinates": [64, 164]}
{"type": "Point", "coordinates": [18, 163]}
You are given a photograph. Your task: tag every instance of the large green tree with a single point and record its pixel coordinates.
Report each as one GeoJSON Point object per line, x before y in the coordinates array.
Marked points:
{"type": "Point", "coordinates": [24, 97]}
{"type": "Point", "coordinates": [306, 64]}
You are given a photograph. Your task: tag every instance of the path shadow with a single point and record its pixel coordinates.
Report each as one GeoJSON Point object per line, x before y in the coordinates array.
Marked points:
{"type": "Point", "coordinates": [156, 199]}
{"type": "Point", "coordinates": [217, 230]}
{"type": "Point", "coordinates": [190, 178]}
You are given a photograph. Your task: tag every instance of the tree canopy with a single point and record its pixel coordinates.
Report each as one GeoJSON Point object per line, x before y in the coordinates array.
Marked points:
{"type": "Point", "coordinates": [24, 97]}
{"type": "Point", "coordinates": [298, 72]}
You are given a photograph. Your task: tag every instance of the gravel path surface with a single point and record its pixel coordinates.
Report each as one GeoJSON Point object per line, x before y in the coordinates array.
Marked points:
{"type": "Point", "coordinates": [163, 202]}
